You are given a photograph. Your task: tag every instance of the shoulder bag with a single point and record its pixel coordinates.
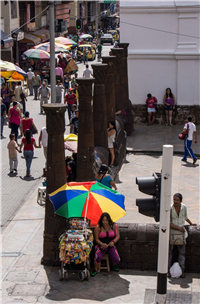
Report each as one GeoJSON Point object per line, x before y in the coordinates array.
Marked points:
{"type": "Point", "coordinates": [10, 118]}
{"type": "Point", "coordinates": [33, 129]}
{"type": "Point", "coordinates": [184, 135]}
{"type": "Point", "coordinates": [22, 96]}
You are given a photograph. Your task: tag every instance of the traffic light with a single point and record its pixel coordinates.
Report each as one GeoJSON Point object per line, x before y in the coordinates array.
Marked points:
{"type": "Point", "coordinates": [79, 24]}
{"type": "Point", "coordinates": [152, 186]}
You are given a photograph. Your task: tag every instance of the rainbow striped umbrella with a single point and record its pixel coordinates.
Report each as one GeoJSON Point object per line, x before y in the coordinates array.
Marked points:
{"type": "Point", "coordinates": [65, 41]}
{"type": "Point", "coordinates": [88, 199]}
{"type": "Point", "coordinates": [46, 47]}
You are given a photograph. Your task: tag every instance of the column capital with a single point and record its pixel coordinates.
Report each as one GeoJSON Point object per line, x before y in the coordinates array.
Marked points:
{"type": "Point", "coordinates": [118, 52]}
{"type": "Point", "coordinates": [99, 72]}
{"type": "Point", "coordinates": [85, 81]}
{"type": "Point", "coordinates": [107, 59]}
{"type": "Point", "coordinates": [125, 47]}
{"type": "Point", "coordinates": [54, 108]}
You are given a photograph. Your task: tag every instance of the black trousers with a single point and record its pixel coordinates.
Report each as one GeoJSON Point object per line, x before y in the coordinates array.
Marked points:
{"type": "Point", "coordinates": [14, 130]}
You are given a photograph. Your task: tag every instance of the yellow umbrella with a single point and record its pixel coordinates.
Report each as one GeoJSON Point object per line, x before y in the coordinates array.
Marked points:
{"type": "Point", "coordinates": [8, 68]}
{"type": "Point", "coordinates": [67, 47]}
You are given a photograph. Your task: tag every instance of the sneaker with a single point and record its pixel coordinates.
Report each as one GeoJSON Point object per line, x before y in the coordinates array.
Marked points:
{"type": "Point", "coordinates": [116, 268]}
{"type": "Point", "coordinates": [183, 160]}
{"type": "Point", "coordinates": [15, 170]}
{"type": "Point", "coordinates": [194, 161]}
{"type": "Point", "coordinates": [11, 172]}
{"type": "Point", "coordinates": [93, 273]}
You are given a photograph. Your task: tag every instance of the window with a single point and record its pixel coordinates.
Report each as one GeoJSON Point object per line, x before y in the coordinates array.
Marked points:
{"type": "Point", "coordinates": [13, 9]}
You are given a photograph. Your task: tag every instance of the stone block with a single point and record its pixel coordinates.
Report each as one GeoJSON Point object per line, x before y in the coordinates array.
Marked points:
{"type": "Point", "coordinates": [195, 251]}
{"type": "Point", "coordinates": [123, 265]}
{"type": "Point", "coordinates": [123, 233]}
{"type": "Point", "coordinates": [126, 257]}
{"type": "Point", "coordinates": [154, 248]}
{"type": "Point", "coordinates": [141, 233]}
{"type": "Point", "coordinates": [124, 247]}
{"type": "Point", "coordinates": [132, 232]}
{"type": "Point", "coordinates": [144, 266]}
{"type": "Point", "coordinates": [152, 232]}
{"type": "Point", "coordinates": [137, 265]}
{"type": "Point", "coordinates": [130, 265]}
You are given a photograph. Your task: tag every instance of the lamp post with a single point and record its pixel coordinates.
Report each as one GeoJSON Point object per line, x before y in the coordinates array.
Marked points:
{"type": "Point", "coordinates": [52, 52]}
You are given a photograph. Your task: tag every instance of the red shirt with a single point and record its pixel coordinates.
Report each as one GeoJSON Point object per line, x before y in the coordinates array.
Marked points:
{"type": "Point", "coordinates": [70, 98]}
{"type": "Point", "coordinates": [26, 124]}
{"type": "Point", "coordinates": [28, 146]}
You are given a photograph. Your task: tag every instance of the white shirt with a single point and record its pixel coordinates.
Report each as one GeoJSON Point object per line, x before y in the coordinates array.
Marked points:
{"type": "Point", "coordinates": [58, 90]}
{"type": "Point", "coordinates": [192, 129]}
{"type": "Point", "coordinates": [18, 91]}
{"type": "Point", "coordinates": [44, 137]}
{"type": "Point", "coordinates": [87, 72]}
{"type": "Point", "coordinates": [30, 75]}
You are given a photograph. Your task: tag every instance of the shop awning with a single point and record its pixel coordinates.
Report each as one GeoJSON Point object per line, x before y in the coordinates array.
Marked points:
{"type": "Point", "coordinates": [30, 39]}
{"type": "Point", "coordinates": [6, 41]}
{"type": "Point", "coordinates": [43, 34]}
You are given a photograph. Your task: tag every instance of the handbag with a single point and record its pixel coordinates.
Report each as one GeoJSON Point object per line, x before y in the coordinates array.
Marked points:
{"type": "Point", "coordinates": [33, 129]}
{"type": "Point", "coordinates": [156, 107]}
{"type": "Point", "coordinates": [22, 96]}
{"type": "Point", "coordinates": [176, 237]}
{"type": "Point", "coordinates": [184, 135]}
{"type": "Point", "coordinates": [115, 145]}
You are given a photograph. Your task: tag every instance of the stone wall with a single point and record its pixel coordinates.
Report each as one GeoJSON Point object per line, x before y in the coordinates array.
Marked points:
{"type": "Point", "coordinates": [138, 247]}
{"type": "Point", "coordinates": [180, 114]}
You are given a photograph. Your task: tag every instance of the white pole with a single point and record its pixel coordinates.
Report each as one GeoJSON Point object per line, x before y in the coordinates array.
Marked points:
{"type": "Point", "coordinates": [163, 249]}
{"type": "Point", "coordinates": [96, 17]}
{"type": "Point", "coordinates": [52, 52]}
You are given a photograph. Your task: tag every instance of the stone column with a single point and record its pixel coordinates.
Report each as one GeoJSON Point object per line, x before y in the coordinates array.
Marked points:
{"type": "Point", "coordinates": [128, 126]}
{"type": "Point", "coordinates": [118, 78]}
{"type": "Point", "coordinates": [110, 87]}
{"type": "Point", "coordinates": [85, 155]}
{"type": "Point", "coordinates": [124, 74]}
{"type": "Point", "coordinates": [99, 105]}
{"type": "Point", "coordinates": [56, 178]}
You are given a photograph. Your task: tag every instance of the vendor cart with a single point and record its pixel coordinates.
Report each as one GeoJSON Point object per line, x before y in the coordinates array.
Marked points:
{"type": "Point", "coordinates": [75, 247]}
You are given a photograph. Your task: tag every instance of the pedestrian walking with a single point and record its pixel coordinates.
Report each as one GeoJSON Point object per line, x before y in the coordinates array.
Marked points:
{"type": "Point", "coordinates": [70, 99]}
{"type": "Point", "coordinates": [178, 216]}
{"type": "Point", "coordinates": [87, 72]}
{"type": "Point", "coordinates": [43, 94]}
{"type": "Point", "coordinates": [12, 153]}
{"type": "Point", "coordinates": [59, 73]}
{"type": "Point", "coordinates": [191, 129]}
{"type": "Point", "coordinates": [30, 76]}
{"type": "Point", "coordinates": [73, 81]}
{"type": "Point", "coordinates": [26, 123]}
{"type": "Point", "coordinates": [74, 123]}
{"type": "Point", "coordinates": [14, 115]}
{"type": "Point", "coordinates": [5, 96]}
{"type": "Point", "coordinates": [151, 101]}
{"type": "Point", "coordinates": [20, 96]}
{"type": "Point", "coordinates": [59, 89]}
{"type": "Point", "coordinates": [169, 102]}
{"type": "Point", "coordinates": [99, 48]}
{"type": "Point", "coordinates": [35, 82]}
{"type": "Point", "coordinates": [111, 139]}
{"type": "Point", "coordinates": [66, 81]}
{"type": "Point", "coordinates": [85, 55]}
{"type": "Point", "coordinates": [43, 139]}
{"type": "Point", "coordinates": [3, 116]}
{"type": "Point", "coordinates": [29, 143]}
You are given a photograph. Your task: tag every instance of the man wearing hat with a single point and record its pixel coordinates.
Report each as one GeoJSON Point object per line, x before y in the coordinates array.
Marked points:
{"type": "Point", "coordinates": [70, 99]}
{"type": "Point", "coordinates": [30, 75]}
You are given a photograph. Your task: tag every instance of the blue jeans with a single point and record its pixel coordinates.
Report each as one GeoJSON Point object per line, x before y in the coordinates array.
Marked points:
{"type": "Point", "coordinates": [2, 123]}
{"type": "Point", "coordinates": [28, 155]}
{"type": "Point", "coordinates": [188, 149]}
{"type": "Point", "coordinates": [85, 59]}
{"type": "Point", "coordinates": [181, 256]}
{"type": "Point", "coordinates": [30, 87]}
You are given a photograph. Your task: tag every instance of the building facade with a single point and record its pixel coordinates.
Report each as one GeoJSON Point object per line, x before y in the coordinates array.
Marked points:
{"type": "Point", "coordinates": [164, 49]}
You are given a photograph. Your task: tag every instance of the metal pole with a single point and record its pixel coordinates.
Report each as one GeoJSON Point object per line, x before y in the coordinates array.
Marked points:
{"type": "Point", "coordinates": [96, 19]}
{"type": "Point", "coordinates": [163, 249]}
{"type": "Point", "coordinates": [52, 52]}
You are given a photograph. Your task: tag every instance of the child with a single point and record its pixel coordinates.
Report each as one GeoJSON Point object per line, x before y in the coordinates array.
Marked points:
{"type": "Point", "coordinates": [12, 152]}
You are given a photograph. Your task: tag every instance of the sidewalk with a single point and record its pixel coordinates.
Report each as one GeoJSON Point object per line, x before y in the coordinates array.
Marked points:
{"type": "Point", "coordinates": [24, 280]}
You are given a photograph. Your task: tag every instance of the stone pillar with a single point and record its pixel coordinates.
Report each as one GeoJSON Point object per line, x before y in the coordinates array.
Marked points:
{"type": "Point", "coordinates": [99, 105]}
{"type": "Point", "coordinates": [110, 87]}
{"type": "Point", "coordinates": [118, 78]}
{"type": "Point", "coordinates": [56, 178]}
{"type": "Point", "coordinates": [85, 155]}
{"type": "Point", "coordinates": [128, 126]}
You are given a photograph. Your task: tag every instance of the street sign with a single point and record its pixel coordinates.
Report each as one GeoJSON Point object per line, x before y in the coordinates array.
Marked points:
{"type": "Point", "coordinates": [107, 1]}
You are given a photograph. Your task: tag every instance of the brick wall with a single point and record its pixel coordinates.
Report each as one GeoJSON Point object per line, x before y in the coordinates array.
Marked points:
{"type": "Point", "coordinates": [180, 114]}
{"type": "Point", "coordinates": [138, 247]}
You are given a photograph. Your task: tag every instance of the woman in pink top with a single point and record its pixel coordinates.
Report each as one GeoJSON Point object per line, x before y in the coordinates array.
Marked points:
{"type": "Point", "coordinates": [151, 101]}
{"type": "Point", "coordinates": [106, 235]}
{"type": "Point", "coordinates": [14, 115]}
{"type": "Point", "coordinates": [169, 102]}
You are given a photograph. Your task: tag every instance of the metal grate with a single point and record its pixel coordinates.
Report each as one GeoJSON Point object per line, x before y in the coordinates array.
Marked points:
{"type": "Point", "coordinates": [173, 297]}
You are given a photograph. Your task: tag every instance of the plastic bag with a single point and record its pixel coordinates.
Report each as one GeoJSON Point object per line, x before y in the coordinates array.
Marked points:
{"type": "Point", "coordinates": [175, 271]}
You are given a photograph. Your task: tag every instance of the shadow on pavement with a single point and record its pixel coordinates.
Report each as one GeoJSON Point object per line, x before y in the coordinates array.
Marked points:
{"type": "Point", "coordinates": [102, 287]}
{"type": "Point", "coordinates": [183, 283]}
{"type": "Point", "coordinates": [29, 178]}
{"type": "Point", "coordinates": [190, 165]}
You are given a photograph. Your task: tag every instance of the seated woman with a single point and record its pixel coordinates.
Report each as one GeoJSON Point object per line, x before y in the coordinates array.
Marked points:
{"type": "Point", "coordinates": [104, 178]}
{"type": "Point", "coordinates": [106, 235]}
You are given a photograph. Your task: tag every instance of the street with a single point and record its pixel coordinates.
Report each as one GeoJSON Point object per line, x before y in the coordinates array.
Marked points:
{"type": "Point", "coordinates": [16, 189]}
